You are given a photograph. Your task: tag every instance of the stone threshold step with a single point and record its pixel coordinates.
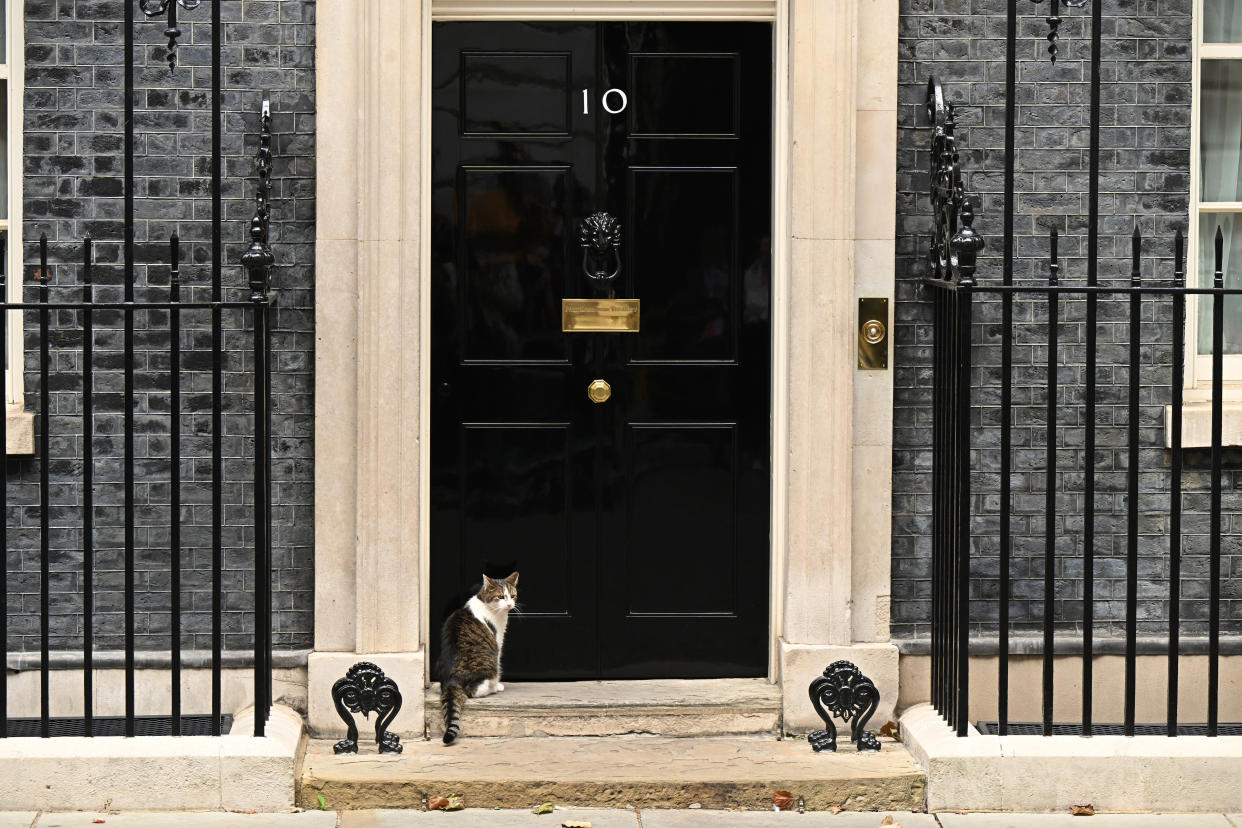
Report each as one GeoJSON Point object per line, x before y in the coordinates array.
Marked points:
{"type": "Point", "coordinates": [667, 707]}
{"type": "Point", "coordinates": [636, 771]}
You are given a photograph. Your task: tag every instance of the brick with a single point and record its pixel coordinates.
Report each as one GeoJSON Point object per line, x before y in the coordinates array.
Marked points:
{"type": "Point", "coordinates": [73, 187]}
{"type": "Point", "coordinates": [1145, 180]}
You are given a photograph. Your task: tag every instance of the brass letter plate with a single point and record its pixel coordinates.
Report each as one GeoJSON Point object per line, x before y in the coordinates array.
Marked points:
{"type": "Point", "coordinates": [599, 315]}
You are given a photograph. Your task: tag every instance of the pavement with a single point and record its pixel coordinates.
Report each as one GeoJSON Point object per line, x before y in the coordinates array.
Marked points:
{"type": "Point", "coordinates": [607, 818]}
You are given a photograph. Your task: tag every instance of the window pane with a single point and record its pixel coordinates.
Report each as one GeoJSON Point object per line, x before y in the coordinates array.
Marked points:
{"type": "Point", "coordinates": [1222, 21]}
{"type": "Point", "coordinates": [4, 150]}
{"type": "Point", "coordinates": [1231, 225]}
{"type": "Point", "coordinates": [1220, 131]}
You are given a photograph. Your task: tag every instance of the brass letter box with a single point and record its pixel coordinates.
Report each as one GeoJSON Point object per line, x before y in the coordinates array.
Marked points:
{"type": "Point", "coordinates": [599, 315]}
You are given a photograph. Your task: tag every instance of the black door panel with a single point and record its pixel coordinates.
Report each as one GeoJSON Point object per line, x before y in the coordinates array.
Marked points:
{"type": "Point", "coordinates": [640, 525]}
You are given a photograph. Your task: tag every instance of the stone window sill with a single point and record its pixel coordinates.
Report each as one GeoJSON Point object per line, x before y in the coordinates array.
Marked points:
{"type": "Point", "coordinates": [19, 430]}
{"type": "Point", "coordinates": [1197, 424]}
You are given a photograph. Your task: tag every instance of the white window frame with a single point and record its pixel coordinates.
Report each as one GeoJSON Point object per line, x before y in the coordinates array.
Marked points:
{"type": "Point", "coordinates": [1198, 369]}
{"type": "Point", "coordinates": [14, 76]}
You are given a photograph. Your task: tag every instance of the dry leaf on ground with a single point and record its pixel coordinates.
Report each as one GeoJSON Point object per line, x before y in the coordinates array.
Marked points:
{"type": "Point", "coordinates": [890, 730]}
{"type": "Point", "coordinates": [783, 800]}
{"type": "Point", "coordinates": [545, 808]}
{"type": "Point", "coordinates": [1082, 810]}
{"type": "Point", "coordinates": [455, 803]}
{"type": "Point", "coordinates": [888, 820]}
{"type": "Point", "coordinates": [437, 803]}
{"type": "Point", "coordinates": [836, 809]}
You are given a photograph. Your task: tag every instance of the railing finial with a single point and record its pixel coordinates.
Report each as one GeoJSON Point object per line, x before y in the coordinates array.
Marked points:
{"type": "Point", "coordinates": [258, 258]}
{"type": "Point", "coordinates": [955, 246]}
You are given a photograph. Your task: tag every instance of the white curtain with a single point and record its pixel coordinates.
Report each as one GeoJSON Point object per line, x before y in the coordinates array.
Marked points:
{"type": "Point", "coordinates": [1221, 180]}
{"type": "Point", "coordinates": [1222, 21]}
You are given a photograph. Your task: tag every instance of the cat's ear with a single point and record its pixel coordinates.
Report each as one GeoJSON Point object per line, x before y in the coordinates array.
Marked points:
{"type": "Point", "coordinates": [486, 581]}
{"type": "Point", "coordinates": [512, 579]}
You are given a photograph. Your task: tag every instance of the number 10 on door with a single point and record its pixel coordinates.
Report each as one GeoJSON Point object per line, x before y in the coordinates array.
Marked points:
{"type": "Point", "coordinates": [614, 101]}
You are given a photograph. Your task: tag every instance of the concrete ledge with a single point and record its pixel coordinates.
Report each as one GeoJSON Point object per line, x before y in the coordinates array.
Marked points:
{"type": "Point", "coordinates": [1197, 424]}
{"type": "Point", "coordinates": [19, 430]}
{"type": "Point", "coordinates": [1050, 774]}
{"type": "Point", "coordinates": [233, 772]}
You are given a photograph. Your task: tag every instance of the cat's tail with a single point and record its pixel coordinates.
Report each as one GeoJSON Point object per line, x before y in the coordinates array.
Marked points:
{"type": "Point", "coordinates": [452, 699]}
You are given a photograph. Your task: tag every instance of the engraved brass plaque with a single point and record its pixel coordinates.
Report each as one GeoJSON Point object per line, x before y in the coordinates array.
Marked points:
{"type": "Point", "coordinates": [599, 315]}
{"type": "Point", "coordinates": [873, 334]}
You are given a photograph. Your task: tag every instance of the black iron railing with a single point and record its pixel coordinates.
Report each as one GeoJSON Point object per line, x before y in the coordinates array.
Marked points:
{"type": "Point", "coordinates": [83, 303]}
{"type": "Point", "coordinates": [955, 300]}
{"type": "Point", "coordinates": [962, 390]}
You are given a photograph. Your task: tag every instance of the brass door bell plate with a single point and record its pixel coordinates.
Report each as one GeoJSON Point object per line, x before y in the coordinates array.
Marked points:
{"type": "Point", "coordinates": [873, 334]}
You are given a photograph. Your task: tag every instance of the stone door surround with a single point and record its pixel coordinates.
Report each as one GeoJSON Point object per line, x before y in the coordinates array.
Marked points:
{"type": "Point", "coordinates": [835, 148]}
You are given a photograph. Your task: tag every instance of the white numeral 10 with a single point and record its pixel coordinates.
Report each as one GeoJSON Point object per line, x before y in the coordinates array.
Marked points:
{"type": "Point", "coordinates": [604, 101]}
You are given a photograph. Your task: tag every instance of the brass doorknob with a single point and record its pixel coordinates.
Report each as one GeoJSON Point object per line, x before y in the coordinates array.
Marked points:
{"type": "Point", "coordinates": [599, 391]}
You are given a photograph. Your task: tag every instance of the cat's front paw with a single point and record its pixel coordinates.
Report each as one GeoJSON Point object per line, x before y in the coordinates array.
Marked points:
{"type": "Point", "coordinates": [499, 687]}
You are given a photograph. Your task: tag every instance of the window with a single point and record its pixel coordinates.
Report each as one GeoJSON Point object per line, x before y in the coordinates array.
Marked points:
{"type": "Point", "coordinates": [1216, 184]}
{"type": "Point", "coordinates": [11, 87]}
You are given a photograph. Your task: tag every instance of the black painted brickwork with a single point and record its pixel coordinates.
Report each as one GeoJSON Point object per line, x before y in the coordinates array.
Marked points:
{"type": "Point", "coordinates": [73, 187]}
{"type": "Point", "coordinates": [1144, 179]}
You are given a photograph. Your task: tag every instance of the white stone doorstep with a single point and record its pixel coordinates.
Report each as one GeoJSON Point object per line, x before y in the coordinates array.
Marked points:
{"type": "Point", "coordinates": [232, 772]}
{"type": "Point", "coordinates": [1054, 773]}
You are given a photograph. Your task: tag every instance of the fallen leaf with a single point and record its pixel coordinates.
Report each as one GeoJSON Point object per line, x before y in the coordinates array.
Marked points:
{"type": "Point", "coordinates": [1083, 810]}
{"type": "Point", "coordinates": [890, 730]}
{"type": "Point", "coordinates": [455, 803]}
{"type": "Point", "coordinates": [437, 803]}
{"type": "Point", "coordinates": [782, 801]}
{"type": "Point", "coordinates": [836, 809]}
{"type": "Point", "coordinates": [323, 803]}
{"type": "Point", "coordinates": [545, 808]}
{"type": "Point", "coordinates": [888, 820]}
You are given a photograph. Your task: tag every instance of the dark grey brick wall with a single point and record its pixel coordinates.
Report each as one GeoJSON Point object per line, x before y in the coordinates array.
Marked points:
{"type": "Point", "coordinates": [73, 187]}
{"type": "Point", "coordinates": [1144, 180]}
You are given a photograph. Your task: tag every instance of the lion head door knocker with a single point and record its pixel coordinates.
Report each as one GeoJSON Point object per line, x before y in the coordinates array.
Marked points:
{"type": "Point", "coordinates": [364, 689]}
{"type": "Point", "coordinates": [599, 236]}
{"type": "Point", "coordinates": [843, 691]}
{"type": "Point", "coordinates": [151, 8]}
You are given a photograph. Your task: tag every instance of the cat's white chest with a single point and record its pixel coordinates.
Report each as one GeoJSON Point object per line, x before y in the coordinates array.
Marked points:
{"type": "Point", "coordinates": [496, 620]}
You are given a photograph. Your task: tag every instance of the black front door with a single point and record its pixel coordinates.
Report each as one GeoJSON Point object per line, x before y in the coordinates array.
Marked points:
{"type": "Point", "coordinates": [640, 524]}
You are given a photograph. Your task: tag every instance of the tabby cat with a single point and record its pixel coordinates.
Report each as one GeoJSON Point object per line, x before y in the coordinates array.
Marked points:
{"type": "Point", "coordinates": [470, 649]}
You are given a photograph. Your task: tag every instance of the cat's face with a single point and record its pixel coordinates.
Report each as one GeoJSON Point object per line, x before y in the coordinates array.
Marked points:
{"type": "Point", "coordinates": [499, 595]}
